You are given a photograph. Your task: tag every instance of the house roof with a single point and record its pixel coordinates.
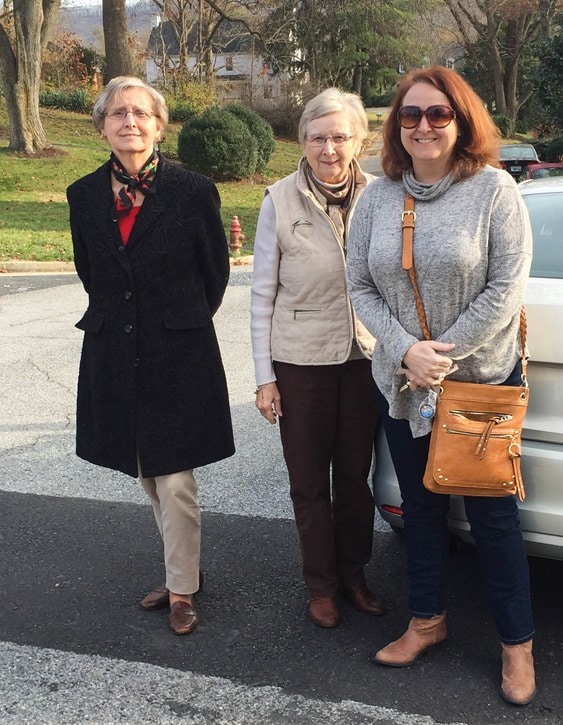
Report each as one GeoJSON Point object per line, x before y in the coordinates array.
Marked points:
{"type": "Point", "coordinates": [230, 37]}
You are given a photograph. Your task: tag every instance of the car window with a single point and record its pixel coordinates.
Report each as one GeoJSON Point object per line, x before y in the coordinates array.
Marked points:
{"type": "Point", "coordinates": [546, 216]}
{"type": "Point", "coordinates": [518, 152]}
{"type": "Point", "coordinates": [542, 173]}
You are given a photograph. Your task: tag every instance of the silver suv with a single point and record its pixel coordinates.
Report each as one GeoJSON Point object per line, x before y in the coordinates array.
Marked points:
{"type": "Point", "coordinates": [541, 513]}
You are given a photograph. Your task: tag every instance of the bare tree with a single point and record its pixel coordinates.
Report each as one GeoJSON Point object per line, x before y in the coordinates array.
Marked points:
{"type": "Point", "coordinates": [119, 61]}
{"type": "Point", "coordinates": [495, 35]}
{"type": "Point", "coordinates": [24, 31]}
{"type": "Point", "coordinates": [195, 25]}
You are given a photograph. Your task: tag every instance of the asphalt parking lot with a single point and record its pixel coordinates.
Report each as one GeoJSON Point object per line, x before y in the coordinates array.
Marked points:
{"type": "Point", "coordinates": [78, 548]}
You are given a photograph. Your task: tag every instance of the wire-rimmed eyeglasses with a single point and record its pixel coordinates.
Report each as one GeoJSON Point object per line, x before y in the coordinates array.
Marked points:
{"type": "Point", "coordinates": [338, 139]}
{"type": "Point", "coordinates": [120, 114]}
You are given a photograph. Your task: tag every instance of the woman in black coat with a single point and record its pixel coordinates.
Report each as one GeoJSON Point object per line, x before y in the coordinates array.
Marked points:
{"type": "Point", "coordinates": [150, 249]}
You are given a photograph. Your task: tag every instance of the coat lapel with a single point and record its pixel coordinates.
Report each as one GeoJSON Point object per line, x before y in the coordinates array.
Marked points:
{"type": "Point", "coordinates": [99, 198]}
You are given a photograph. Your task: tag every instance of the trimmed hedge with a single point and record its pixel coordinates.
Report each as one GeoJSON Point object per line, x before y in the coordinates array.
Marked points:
{"type": "Point", "coordinates": [218, 144]}
{"type": "Point", "coordinates": [79, 100]}
{"type": "Point", "coordinates": [260, 129]}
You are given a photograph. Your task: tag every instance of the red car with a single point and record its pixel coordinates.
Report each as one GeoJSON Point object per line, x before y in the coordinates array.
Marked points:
{"type": "Point", "coordinates": [541, 170]}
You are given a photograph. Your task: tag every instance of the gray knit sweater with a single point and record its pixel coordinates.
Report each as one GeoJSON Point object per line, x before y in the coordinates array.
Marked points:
{"type": "Point", "coordinates": [472, 255]}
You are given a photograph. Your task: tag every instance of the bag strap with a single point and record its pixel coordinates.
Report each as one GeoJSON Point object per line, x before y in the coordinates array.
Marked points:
{"type": "Point", "coordinates": [408, 218]}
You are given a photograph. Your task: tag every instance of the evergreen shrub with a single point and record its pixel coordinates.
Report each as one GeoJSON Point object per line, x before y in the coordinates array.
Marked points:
{"type": "Point", "coordinates": [218, 144]}
{"type": "Point", "coordinates": [283, 118]}
{"type": "Point", "coordinates": [553, 149]}
{"type": "Point", "coordinates": [79, 100]}
{"type": "Point", "coordinates": [504, 124]}
{"type": "Point", "coordinates": [181, 111]}
{"type": "Point", "coordinates": [260, 129]}
{"type": "Point", "coordinates": [193, 99]}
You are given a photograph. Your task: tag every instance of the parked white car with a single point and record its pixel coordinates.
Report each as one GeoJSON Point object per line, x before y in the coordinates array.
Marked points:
{"type": "Point", "coordinates": [541, 513]}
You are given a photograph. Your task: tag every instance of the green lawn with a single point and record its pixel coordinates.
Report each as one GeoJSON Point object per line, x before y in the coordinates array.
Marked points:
{"type": "Point", "coordinates": [33, 208]}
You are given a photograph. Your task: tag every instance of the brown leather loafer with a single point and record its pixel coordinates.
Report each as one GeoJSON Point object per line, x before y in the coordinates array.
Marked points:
{"type": "Point", "coordinates": [158, 598]}
{"type": "Point", "coordinates": [182, 618]}
{"type": "Point", "coordinates": [364, 600]}
{"type": "Point", "coordinates": [324, 611]}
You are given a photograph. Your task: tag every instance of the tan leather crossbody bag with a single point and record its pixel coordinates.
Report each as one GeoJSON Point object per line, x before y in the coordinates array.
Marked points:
{"type": "Point", "coordinates": [475, 445]}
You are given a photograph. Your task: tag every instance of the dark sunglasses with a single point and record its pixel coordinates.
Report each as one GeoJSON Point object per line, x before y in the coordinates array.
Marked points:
{"type": "Point", "coordinates": [437, 116]}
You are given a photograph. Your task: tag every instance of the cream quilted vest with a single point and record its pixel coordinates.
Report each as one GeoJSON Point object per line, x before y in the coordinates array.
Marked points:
{"type": "Point", "coordinates": [313, 321]}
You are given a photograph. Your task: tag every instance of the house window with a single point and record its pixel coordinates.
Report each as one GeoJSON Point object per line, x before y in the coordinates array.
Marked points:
{"type": "Point", "coordinates": [229, 62]}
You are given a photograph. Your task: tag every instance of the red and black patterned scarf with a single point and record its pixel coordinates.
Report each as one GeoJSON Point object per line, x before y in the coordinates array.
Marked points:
{"type": "Point", "coordinates": [142, 181]}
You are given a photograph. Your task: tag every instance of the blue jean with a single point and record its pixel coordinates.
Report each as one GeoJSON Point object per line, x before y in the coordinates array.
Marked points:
{"type": "Point", "coordinates": [495, 526]}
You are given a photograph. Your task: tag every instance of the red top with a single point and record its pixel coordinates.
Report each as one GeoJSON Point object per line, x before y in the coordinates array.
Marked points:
{"type": "Point", "coordinates": [126, 223]}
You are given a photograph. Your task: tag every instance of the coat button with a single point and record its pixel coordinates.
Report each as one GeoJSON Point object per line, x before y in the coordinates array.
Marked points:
{"type": "Point", "coordinates": [137, 362]}
{"type": "Point", "coordinates": [127, 294]}
{"type": "Point", "coordinates": [128, 328]}
{"type": "Point", "coordinates": [121, 248]}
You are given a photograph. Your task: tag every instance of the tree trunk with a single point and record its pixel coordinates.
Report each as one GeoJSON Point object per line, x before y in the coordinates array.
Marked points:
{"type": "Point", "coordinates": [116, 40]}
{"type": "Point", "coordinates": [511, 88]}
{"type": "Point", "coordinates": [497, 71]}
{"type": "Point", "coordinates": [357, 80]}
{"type": "Point", "coordinates": [20, 69]}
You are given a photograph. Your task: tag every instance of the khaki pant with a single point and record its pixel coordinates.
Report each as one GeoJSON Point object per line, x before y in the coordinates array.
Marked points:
{"type": "Point", "coordinates": [178, 517]}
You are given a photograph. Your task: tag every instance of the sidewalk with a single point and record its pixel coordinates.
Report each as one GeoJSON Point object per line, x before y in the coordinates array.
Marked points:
{"type": "Point", "coordinates": [31, 267]}
{"type": "Point", "coordinates": [370, 158]}
{"type": "Point", "coordinates": [13, 267]}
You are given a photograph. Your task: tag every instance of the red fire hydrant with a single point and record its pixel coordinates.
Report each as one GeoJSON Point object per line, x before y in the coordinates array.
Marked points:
{"type": "Point", "coordinates": [236, 237]}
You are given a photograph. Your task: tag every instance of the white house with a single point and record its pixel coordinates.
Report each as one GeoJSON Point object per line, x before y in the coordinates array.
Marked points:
{"type": "Point", "coordinates": [236, 59]}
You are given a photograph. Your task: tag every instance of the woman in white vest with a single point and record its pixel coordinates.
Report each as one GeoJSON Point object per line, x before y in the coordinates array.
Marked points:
{"type": "Point", "coordinates": [312, 356]}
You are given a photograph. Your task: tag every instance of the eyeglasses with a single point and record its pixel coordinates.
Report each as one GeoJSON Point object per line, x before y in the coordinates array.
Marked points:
{"type": "Point", "coordinates": [338, 140]}
{"type": "Point", "coordinates": [437, 116]}
{"type": "Point", "coordinates": [120, 114]}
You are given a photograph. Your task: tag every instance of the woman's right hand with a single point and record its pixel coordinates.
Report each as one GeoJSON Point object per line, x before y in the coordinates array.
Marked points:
{"type": "Point", "coordinates": [425, 365]}
{"type": "Point", "coordinates": [268, 402]}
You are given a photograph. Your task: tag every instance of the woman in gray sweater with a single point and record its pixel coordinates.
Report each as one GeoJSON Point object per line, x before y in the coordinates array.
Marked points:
{"type": "Point", "coordinates": [472, 253]}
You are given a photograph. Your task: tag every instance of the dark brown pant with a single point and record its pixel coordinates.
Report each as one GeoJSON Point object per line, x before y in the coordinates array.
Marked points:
{"type": "Point", "coordinates": [329, 419]}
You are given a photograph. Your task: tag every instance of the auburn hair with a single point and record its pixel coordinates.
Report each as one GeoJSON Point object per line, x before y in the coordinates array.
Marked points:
{"type": "Point", "coordinates": [478, 141]}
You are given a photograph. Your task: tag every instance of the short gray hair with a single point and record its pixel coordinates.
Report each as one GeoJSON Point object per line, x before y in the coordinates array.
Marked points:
{"type": "Point", "coordinates": [333, 100]}
{"type": "Point", "coordinates": [115, 88]}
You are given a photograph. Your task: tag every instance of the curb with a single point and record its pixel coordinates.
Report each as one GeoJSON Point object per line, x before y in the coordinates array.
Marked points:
{"type": "Point", "coordinates": [29, 268]}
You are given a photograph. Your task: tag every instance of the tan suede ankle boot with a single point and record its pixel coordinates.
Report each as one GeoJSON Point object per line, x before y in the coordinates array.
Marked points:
{"type": "Point", "coordinates": [420, 635]}
{"type": "Point", "coordinates": [518, 675]}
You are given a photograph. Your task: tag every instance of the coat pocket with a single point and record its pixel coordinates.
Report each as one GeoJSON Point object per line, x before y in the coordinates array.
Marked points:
{"type": "Point", "coordinates": [91, 321]}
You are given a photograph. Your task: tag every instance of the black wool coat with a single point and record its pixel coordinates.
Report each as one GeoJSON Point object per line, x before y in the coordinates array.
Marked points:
{"type": "Point", "coordinates": [151, 379]}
